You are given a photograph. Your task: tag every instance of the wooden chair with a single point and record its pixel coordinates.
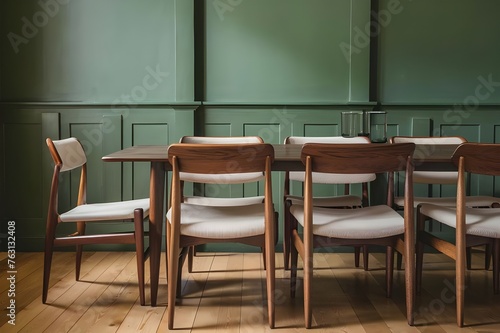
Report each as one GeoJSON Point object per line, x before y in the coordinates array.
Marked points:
{"type": "Point", "coordinates": [68, 154]}
{"type": "Point", "coordinates": [193, 224]}
{"type": "Point", "coordinates": [437, 177]}
{"type": "Point", "coordinates": [201, 199]}
{"type": "Point", "coordinates": [473, 226]}
{"type": "Point", "coordinates": [378, 225]}
{"type": "Point", "coordinates": [342, 201]}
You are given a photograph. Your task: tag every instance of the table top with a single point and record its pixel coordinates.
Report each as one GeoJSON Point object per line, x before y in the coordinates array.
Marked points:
{"type": "Point", "coordinates": [286, 157]}
{"type": "Point", "coordinates": [158, 153]}
{"type": "Point", "coordinates": [288, 152]}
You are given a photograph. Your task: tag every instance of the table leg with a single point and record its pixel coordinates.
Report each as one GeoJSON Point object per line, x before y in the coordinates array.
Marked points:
{"type": "Point", "coordinates": [156, 217]}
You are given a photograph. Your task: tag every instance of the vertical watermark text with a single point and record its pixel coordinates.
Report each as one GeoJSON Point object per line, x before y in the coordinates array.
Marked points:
{"type": "Point", "coordinates": [11, 272]}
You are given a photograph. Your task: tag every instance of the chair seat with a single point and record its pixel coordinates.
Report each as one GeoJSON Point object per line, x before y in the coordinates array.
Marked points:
{"type": "Point", "coordinates": [123, 210]}
{"type": "Point", "coordinates": [435, 177]}
{"type": "Point", "coordinates": [338, 201]}
{"type": "Point", "coordinates": [221, 222]}
{"type": "Point", "coordinates": [209, 201]}
{"type": "Point", "coordinates": [483, 222]}
{"type": "Point", "coordinates": [360, 223]}
{"type": "Point", "coordinates": [472, 201]}
{"type": "Point", "coordinates": [230, 178]}
{"type": "Point", "coordinates": [333, 178]}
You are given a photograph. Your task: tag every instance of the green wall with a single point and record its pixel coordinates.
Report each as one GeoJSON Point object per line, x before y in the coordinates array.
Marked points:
{"type": "Point", "coordinates": [118, 73]}
{"type": "Point", "coordinates": [440, 52]}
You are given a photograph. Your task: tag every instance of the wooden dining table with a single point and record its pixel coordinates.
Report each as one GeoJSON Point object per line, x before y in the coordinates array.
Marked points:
{"type": "Point", "coordinates": [286, 158]}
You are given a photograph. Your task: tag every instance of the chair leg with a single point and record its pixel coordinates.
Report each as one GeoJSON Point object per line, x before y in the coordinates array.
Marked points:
{"type": "Point", "coordinates": [357, 254]}
{"type": "Point", "coordinates": [468, 256]}
{"type": "Point", "coordinates": [294, 255]}
{"type": "Point", "coordinates": [460, 280]}
{"type": "Point", "coordinates": [270, 278]}
{"type": "Point", "coordinates": [167, 247]}
{"type": "Point", "coordinates": [389, 269]}
{"type": "Point", "coordinates": [365, 257]}
{"type": "Point", "coordinates": [399, 261]}
{"type": "Point", "coordinates": [287, 234]}
{"type": "Point", "coordinates": [264, 260]}
{"type": "Point", "coordinates": [139, 251]}
{"type": "Point", "coordinates": [183, 254]}
{"type": "Point", "coordinates": [80, 228]}
{"type": "Point", "coordinates": [275, 239]}
{"type": "Point", "coordinates": [308, 270]}
{"type": "Point", "coordinates": [191, 254]}
{"type": "Point", "coordinates": [47, 261]}
{"type": "Point", "coordinates": [276, 227]}
{"type": "Point", "coordinates": [496, 264]}
{"type": "Point", "coordinates": [419, 253]}
{"type": "Point", "coordinates": [487, 256]}
{"type": "Point", "coordinates": [173, 263]}
{"type": "Point", "coordinates": [46, 271]}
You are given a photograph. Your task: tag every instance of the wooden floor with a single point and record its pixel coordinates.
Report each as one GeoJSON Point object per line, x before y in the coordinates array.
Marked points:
{"type": "Point", "coordinates": [225, 295]}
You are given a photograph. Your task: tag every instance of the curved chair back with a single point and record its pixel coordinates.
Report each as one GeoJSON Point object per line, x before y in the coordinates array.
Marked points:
{"type": "Point", "coordinates": [228, 178]}
{"type": "Point", "coordinates": [330, 178]}
{"type": "Point", "coordinates": [432, 177]}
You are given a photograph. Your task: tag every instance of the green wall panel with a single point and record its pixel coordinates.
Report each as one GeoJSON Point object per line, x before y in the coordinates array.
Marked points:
{"type": "Point", "coordinates": [122, 72]}
{"type": "Point", "coordinates": [146, 134]}
{"type": "Point", "coordinates": [25, 188]}
{"type": "Point", "coordinates": [440, 52]}
{"type": "Point", "coordinates": [24, 181]}
{"type": "Point", "coordinates": [321, 129]}
{"type": "Point", "coordinates": [143, 127]}
{"type": "Point", "coordinates": [118, 51]}
{"type": "Point", "coordinates": [218, 130]}
{"type": "Point", "coordinates": [292, 52]}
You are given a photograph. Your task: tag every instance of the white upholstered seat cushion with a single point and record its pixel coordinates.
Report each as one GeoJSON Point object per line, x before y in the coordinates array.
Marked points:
{"type": "Point", "coordinates": [330, 178]}
{"type": "Point", "coordinates": [472, 201]}
{"type": "Point", "coordinates": [71, 153]}
{"type": "Point", "coordinates": [223, 178]}
{"type": "Point", "coordinates": [359, 223]}
{"type": "Point", "coordinates": [226, 178]}
{"type": "Point", "coordinates": [435, 177]}
{"type": "Point", "coordinates": [221, 222]}
{"type": "Point", "coordinates": [210, 201]}
{"type": "Point", "coordinates": [339, 201]}
{"type": "Point", "coordinates": [334, 178]}
{"type": "Point", "coordinates": [122, 210]}
{"type": "Point", "coordinates": [479, 221]}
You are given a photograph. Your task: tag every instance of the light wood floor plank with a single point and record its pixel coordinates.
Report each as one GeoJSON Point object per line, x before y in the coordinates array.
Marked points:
{"type": "Point", "coordinates": [31, 284]}
{"type": "Point", "coordinates": [226, 293]}
{"type": "Point", "coordinates": [61, 287]}
{"type": "Point", "coordinates": [214, 296]}
{"type": "Point", "coordinates": [111, 307]}
{"type": "Point", "coordinates": [64, 310]}
{"type": "Point", "coordinates": [143, 319]}
{"type": "Point", "coordinates": [193, 286]}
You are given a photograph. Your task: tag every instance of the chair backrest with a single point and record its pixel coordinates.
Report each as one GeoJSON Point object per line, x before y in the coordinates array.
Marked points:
{"type": "Point", "coordinates": [221, 139]}
{"type": "Point", "coordinates": [432, 177]}
{"type": "Point", "coordinates": [476, 158]}
{"type": "Point", "coordinates": [68, 154]}
{"type": "Point", "coordinates": [217, 160]}
{"type": "Point", "coordinates": [234, 178]}
{"type": "Point", "coordinates": [359, 158]}
{"type": "Point", "coordinates": [434, 140]}
{"type": "Point", "coordinates": [479, 158]}
{"type": "Point", "coordinates": [330, 178]}
{"type": "Point", "coordinates": [220, 159]}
